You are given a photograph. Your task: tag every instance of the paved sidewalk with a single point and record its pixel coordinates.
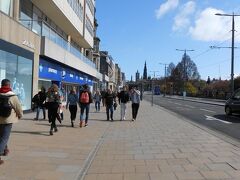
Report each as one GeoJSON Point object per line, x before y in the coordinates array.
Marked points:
{"type": "Point", "coordinates": [35, 155]}
{"type": "Point", "coordinates": [162, 146]}
{"type": "Point", "coordinates": [158, 146]}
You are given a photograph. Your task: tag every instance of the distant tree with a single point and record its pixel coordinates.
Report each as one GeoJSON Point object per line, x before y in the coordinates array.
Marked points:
{"type": "Point", "coordinates": [170, 69]}
{"type": "Point", "coordinates": [192, 90]}
{"type": "Point", "coordinates": [185, 70]}
{"type": "Point", "coordinates": [237, 82]}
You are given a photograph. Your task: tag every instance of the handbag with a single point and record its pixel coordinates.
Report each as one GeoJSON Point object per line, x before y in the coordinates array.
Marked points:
{"type": "Point", "coordinates": [115, 106]}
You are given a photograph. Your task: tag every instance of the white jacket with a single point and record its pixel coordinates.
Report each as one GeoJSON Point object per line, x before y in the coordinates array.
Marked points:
{"type": "Point", "coordinates": [16, 113]}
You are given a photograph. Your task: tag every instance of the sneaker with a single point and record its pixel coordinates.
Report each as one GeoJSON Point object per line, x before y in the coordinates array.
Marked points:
{"type": "Point", "coordinates": [6, 152]}
{"type": "Point", "coordinates": [55, 129]}
{"type": "Point", "coordinates": [51, 132]}
{"type": "Point", "coordinates": [80, 125]}
{"type": "Point", "coordinates": [133, 119]}
{"type": "Point", "coordinates": [86, 125]}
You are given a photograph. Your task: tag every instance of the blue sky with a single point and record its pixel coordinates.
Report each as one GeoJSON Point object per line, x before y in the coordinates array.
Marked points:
{"type": "Point", "coordinates": [135, 31]}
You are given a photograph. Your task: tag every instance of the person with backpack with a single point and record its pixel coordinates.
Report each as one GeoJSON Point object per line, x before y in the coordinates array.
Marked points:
{"type": "Point", "coordinates": [110, 99]}
{"type": "Point", "coordinates": [85, 98]}
{"type": "Point", "coordinates": [10, 112]}
{"type": "Point", "coordinates": [39, 99]}
{"type": "Point", "coordinates": [123, 100]}
{"type": "Point", "coordinates": [72, 102]}
{"type": "Point", "coordinates": [53, 102]}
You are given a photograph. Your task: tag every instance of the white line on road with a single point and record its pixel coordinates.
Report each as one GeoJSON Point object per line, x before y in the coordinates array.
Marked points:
{"type": "Point", "coordinates": [210, 118]}
{"type": "Point", "coordinates": [178, 104]}
{"type": "Point", "coordinates": [208, 110]}
{"type": "Point", "coordinates": [189, 106]}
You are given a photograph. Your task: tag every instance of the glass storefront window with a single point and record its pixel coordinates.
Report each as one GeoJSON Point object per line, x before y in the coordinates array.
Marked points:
{"type": "Point", "coordinates": [6, 6]}
{"type": "Point", "coordinates": [19, 71]}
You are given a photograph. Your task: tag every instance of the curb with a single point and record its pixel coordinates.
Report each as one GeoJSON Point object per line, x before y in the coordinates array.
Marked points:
{"type": "Point", "coordinates": [192, 100]}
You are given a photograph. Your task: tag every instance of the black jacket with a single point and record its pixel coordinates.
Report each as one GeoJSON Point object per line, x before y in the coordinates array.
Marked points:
{"type": "Point", "coordinates": [123, 97]}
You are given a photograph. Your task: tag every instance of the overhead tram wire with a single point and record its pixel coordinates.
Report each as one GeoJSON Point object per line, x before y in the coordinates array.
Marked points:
{"type": "Point", "coordinates": [209, 49]}
{"type": "Point", "coordinates": [214, 64]}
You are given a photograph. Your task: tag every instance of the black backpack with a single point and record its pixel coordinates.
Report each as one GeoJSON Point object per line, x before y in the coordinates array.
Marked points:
{"type": "Point", "coordinates": [5, 106]}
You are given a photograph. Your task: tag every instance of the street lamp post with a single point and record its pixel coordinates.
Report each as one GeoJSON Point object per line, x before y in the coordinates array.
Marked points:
{"type": "Point", "coordinates": [184, 68]}
{"type": "Point", "coordinates": [232, 54]}
{"type": "Point", "coordinates": [152, 88]}
{"type": "Point", "coordinates": [165, 77]}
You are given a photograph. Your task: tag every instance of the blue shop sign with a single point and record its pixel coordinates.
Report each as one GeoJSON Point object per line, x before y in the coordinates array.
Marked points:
{"type": "Point", "coordinates": [55, 72]}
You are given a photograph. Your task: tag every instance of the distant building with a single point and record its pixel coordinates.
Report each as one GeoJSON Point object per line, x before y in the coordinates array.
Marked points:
{"type": "Point", "coordinates": [137, 78]}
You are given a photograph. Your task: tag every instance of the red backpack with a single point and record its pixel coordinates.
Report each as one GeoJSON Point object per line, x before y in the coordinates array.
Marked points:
{"type": "Point", "coordinates": [84, 97]}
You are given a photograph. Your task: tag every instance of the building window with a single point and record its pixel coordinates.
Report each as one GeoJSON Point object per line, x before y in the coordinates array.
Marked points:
{"type": "Point", "coordinates": [6, 6]}
{"type": "Point", "coordinates": [26, 13]}
{"type": "Point", "coordinates": [18, 70]}
{"type": "Point", "coordinates": [91, 6]}
{"type": "Point", "coordinates": [77, 8]}
{"type": "Point", "coordinates": [89, 26]}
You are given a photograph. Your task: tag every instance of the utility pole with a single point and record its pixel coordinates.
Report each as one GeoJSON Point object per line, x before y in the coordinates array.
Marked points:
{"type": "Point", "coordinates": [165, 77]}
{"type": "Point", "coordinates": [184, 68]}
{"type": "Point", "coordinates": [232, 48]}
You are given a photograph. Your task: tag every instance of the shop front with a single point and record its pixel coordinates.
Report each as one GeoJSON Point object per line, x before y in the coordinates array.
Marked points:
{"type": "Point", "coordinates": [65, 77]}
{"type": "Point", "coordinates": [16, 64]}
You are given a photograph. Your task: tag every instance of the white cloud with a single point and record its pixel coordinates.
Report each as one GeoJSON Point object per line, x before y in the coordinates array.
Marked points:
{"type": "Point", "coordinates": [209, 27]}
{"type": "Point", "coordinates": [182, 20]}
{"type": "Point", "coordinates": [165, 7]}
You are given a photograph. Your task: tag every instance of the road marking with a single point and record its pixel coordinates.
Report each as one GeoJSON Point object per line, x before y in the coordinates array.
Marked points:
{"type": "Point", "coordinates": [208, 110]}
{"type": "Point", "coordinates": [189, 106]}
{"type": "Point", "coordinates": [210, 118]}
{"type": "Point", "coordinates": [178, 104]}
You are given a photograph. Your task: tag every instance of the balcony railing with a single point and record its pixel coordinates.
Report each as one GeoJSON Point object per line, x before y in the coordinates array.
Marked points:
{"type": "Point", "coordinates": [47, 31]}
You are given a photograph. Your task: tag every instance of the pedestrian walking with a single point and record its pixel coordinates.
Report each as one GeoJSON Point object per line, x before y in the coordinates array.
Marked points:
{"type": "Point", "coordinates": [123, 99]}
{"type": "Point", "coordinates": [103, 93]}
{"type": "Point", "coordinates": [85, 99]}
{"type": "Point", "coordinates": [110, 99]}
{"type": "Point", "coordinates": [39, 101]}
{"type": "Point", "coordinates": [135, 98]}
{"type": "Point", "coordinates": [10, 112]}
{"type": "Point", "coordinates": [72, 102]}
{"type": "Point", "coordinates": [53, 101]}
{"type": "Point", "coordinates": [97, 99]}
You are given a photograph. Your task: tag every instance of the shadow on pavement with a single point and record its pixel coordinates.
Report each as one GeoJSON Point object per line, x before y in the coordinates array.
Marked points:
{"type": "Point", "coordinates": [43, 133]}
{"type": "Point", "coordinates": [232, 118]}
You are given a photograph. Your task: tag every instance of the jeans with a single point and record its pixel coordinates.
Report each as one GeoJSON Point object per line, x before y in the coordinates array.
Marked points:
{"type": "Point", "coordinates": [83, 107]}
{"type": "Point", "coordinates": [109, 108]}
{"type": "Point", "coordinates": [97, 105]}
{"type": "Point", "coordinates": [38, 111]}
{"type": "Point", "coordinates": [135, 107]}
{"type": "Point", "coordinates": [5, 130]}
{"type": "Point", "coordinates": [123, 110]}
{"type": "Point", "coordinates": [73, 111]}
{"type": "Point", "coordinates": [52, 115]}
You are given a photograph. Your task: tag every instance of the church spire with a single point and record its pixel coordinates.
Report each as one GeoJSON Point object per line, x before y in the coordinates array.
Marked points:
{"type": "Point", "coordinates": [145, 71]}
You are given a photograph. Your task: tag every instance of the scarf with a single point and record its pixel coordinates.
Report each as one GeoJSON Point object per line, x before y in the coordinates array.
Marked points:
{"type": "Point", "coordinates": [5, 89]}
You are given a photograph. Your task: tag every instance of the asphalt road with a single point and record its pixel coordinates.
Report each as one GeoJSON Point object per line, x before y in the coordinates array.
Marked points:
{"type": "Point", "coordinates": [211, 116]}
